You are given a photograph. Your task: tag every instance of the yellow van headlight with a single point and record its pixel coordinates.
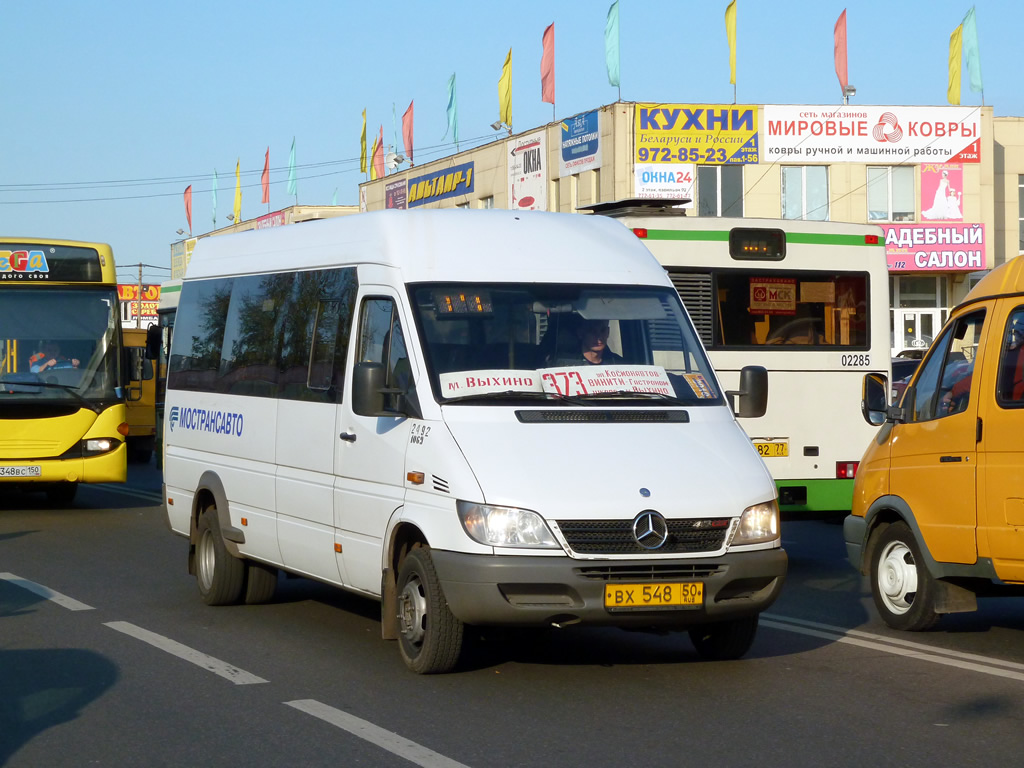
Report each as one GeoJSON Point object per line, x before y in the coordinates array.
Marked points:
{"type": "Point", "coordinates": [504, 526]}
{"type": "Point", "coordinates": [758, 524]}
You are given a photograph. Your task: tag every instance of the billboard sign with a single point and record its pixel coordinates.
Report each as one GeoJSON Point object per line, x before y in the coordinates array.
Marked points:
{"type": "Point", "coordinates": [527, 172]}
{"type": "Point", "coordinates": [935, 247]}
{"type": "Point", "coordinates": [580, 148]}
{"type": "Point", "coordinates": [395, 194]}
{"type": "Point", "coordinates": [440, 185]}
{"type": "Point", "coordinates": [695, 133]}
{"type": "Point", "coordinates": [870, 134]}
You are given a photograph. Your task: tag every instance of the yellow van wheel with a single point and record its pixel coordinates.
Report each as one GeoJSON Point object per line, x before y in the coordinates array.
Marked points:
{"type": "Point", "coordinates": [902, 587]}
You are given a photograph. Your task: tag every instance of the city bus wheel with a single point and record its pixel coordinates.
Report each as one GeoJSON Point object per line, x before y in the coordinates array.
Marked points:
{"type": "Point", "coordinates": [61, 494]}
{"type": "Point", "coordinates": [219, 575]}
{"type": "Point", "coordinates": [903, 589]}
{"type": "Point", "coordinates": [724, 640]}
{"type": "Point", "coordinates": [429, 636]}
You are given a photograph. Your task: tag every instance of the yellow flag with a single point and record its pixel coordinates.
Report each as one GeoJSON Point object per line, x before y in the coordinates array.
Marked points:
{"type": "Point", "coordinates": [238, 191]}
{"type": "Point", "coordinates": [373, 153]}
{"type": "Point", "coordinates": [730, 33]}
{"type": "Point", "coordinates": [362, 146]}
{"type": "Point", "coordinates": [955, 49]}
{"type": "Point", "coordinates": [505, 91]}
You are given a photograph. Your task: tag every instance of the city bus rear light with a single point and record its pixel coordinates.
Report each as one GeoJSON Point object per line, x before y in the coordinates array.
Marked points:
{"type": "Point", "coordinates": [846, 470]}
{"type": "Point", "coordinates": [640, 232]}
{"type": "Point", "coordinates": [871, 239]}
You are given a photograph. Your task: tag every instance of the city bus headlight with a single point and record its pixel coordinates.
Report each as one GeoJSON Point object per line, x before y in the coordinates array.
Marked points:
{"type": "Point", "coordinates": [758, 524]}
{"type": "Point", "coordinates": [99, 445]}
{"type": "Point", "coordinates": [504, 526]}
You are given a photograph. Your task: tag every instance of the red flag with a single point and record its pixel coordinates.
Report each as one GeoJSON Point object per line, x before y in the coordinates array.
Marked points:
{"type": "Point", "coordinates": [840, 37]}
{"type": "Point", "coordinates": [188, 207]}
{"type": "Point", "coordinates": [265, 178]}
{"type": "Point", "coordinates": [378, 155]}
{"type": "Point", "coordinates": [407, 132]}
{"type": "Point", "coordinates": [547, 66]}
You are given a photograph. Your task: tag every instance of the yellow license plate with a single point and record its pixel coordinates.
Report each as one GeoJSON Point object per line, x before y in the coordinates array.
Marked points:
{"type": "Point", "coordinates": [772, 449]}
{"type": "Point", "coordinates": [657, 595]}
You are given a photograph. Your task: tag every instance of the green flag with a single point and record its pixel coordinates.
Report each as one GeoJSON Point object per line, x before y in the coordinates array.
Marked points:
{"type": "Point", "coordinates": [291, 170]}
{"type": "Point", "coordinates": [970, 45]}
{"type": "Point", "coordinates": [611, 44]}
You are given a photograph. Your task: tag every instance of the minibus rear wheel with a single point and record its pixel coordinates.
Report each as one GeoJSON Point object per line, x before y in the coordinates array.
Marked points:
{"type": "Point", "coordinates": [429, 635]}
{"type": "Point", "coordinates": [724, 640]}
{"type": "Point", "coordinates": [903, 589]}
{"type": "Point", "coordinates": [219, 575]}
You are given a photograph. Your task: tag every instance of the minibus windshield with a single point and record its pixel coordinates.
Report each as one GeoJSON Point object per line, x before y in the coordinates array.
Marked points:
{"type": "Point", "coordinates": [565, 344]}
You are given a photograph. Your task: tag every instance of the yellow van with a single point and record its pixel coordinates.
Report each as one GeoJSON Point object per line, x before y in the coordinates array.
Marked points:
{"type": "Point", "coordinates": [938, 502]}
{"type": "Point", "coordinates": [141, 400]}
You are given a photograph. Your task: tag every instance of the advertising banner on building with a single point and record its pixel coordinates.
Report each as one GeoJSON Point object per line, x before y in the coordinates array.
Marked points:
{"type": "Point", "coordinates": [580, 144]}
{"type": "Point", "coordinates": [942, 189]}
{"type": "Point", "coordinates": [935, 247]}
{"type": "Point", "coordinates": [872, 134]}
{"type": "Point", "coordinates": [673, 181]}
{"type": "Point", "coordinates": [440, 185]}
{"type": "Point", "coordinates": [268, 220]}
{"type": "Point", "coordinates": [527, 174]}
{"type": "Point", "coordinates": [394, 194]}
{"type": "Point", "coordinates": [696, 133]}
{"type": "Point", "coordinates": [181, 255]}
{"type": "Point", "coordinates": [129, 295]}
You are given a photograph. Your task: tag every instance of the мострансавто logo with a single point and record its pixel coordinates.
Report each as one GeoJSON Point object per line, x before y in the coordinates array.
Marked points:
{"type": "Point", "coordinates": [203, 420]}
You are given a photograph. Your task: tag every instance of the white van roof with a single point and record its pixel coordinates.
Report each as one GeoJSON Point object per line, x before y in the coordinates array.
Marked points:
{"type": "Point", "coordinates": [442, 245]}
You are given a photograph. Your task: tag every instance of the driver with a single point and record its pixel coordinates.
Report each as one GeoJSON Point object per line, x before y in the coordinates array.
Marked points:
{"type": "Point", "coordinates": [593, 350]}
{"type": "Point", "coordinates": [50, 357]}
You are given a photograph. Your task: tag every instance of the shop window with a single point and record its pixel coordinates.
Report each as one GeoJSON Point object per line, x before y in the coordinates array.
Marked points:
{"type": "Point", "coordinates": [805, 192]}
{"type": "Point", "coordinates": [891, 193]}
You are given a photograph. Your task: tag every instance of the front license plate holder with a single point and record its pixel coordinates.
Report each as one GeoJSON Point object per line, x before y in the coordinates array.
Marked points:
{"type": "Point", "coordinates": [32, 470]}
{"type": "Point", "coordinates": [653, 596]}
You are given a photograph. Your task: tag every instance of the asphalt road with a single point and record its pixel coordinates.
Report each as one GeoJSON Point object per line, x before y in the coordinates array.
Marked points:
{"type": "Point", "coordinates": [108, 658]}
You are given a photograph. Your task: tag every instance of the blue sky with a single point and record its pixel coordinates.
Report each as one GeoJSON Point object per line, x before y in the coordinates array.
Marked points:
{"type": "Point", "coordinates": [113, 108]}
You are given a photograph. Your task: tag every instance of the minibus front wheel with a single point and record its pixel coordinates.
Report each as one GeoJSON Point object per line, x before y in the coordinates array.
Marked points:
{"type": "Point", "coordinates": [429, 635]}
{"type": "Point", "coordinates": [219, 575]}
{"type": "Point", "coordinates": [903, 589]}
{"type": "Point", "coordinates": [724, 640]}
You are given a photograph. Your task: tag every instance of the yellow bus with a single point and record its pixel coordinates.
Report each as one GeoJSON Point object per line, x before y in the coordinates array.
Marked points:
{"type": "Point", "coordinates": [141, 396]}
{"type": "Point", "coordinates": [62, 368]}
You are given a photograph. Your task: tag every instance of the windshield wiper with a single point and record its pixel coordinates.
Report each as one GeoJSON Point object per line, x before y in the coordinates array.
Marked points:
{"type": "Point", "coordinates": [627, 393]}
{"type": "Point", "coordinates": [53, 385]}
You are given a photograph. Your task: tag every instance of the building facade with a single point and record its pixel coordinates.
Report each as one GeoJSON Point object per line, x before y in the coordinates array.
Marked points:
{"type": "Point", "coordinates": [944, 183]}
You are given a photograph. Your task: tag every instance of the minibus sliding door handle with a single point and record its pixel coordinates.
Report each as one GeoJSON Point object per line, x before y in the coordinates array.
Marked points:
{"type": "Point", "coordinates": [348, 437]}
{"type": "Point", "coordinates": [945, 459]}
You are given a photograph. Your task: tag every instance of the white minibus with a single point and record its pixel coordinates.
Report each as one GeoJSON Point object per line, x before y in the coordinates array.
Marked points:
{"type": "Point", "coordinates": [478, 418]}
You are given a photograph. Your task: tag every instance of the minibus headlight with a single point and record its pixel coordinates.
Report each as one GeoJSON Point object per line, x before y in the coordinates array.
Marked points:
{"type": "Point", "coordinates": [758, 524]}
{"type": "Point", "coordinates": [504, 526]}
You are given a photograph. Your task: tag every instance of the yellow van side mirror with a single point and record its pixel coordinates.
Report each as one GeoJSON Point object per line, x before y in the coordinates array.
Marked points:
{"type": "Point", "coordinates": [874, 402]}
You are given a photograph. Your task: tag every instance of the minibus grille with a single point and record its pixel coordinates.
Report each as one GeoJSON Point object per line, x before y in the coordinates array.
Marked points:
{"type": "Point", "coordinates": [650, 572]}
{"type": "Point", "coordinates": [602, 417]}
{"type": "Point", "coordinates": [615, 537]}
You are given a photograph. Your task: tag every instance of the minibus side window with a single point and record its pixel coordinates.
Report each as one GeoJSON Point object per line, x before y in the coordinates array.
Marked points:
{"type": "Point", "coordinates": [381, 340]}
{"type": "Point", "coordinates": [944, 386]}
{"type": "Point", "coordinates": [1010, 385]}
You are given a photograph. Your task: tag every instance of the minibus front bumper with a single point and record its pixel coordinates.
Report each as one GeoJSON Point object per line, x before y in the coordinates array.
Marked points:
{"type": "Point", "coordinates": [510, 590]}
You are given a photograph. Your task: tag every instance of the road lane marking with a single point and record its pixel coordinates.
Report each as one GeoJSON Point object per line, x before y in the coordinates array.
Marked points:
{"type": "Point", "coordinates": [392, 742]}
{"type": "Point", "coordinates": [209, 663]}
{"type": "Point", "coordinates": [898, 641]}
{"type": "Point", "coordinates": [965, 661]}
{"type": "Point", "coordinates": [62, 600]}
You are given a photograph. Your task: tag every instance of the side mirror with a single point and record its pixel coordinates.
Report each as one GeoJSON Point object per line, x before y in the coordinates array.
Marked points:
{"type": "Point", "coordinates": [750, 401]}
{"type": "Point", "coordinates": [874, 404]}
{"type": "Point", "coordinates": [370, 397]}
{"type": "Point", "coordinates": [153, 340]}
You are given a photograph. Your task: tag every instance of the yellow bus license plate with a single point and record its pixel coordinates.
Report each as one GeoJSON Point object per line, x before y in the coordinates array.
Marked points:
{"type": "Point", "coordinates": [772, 449]}
{"type": "Point", "coordinates": [624, 596]}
